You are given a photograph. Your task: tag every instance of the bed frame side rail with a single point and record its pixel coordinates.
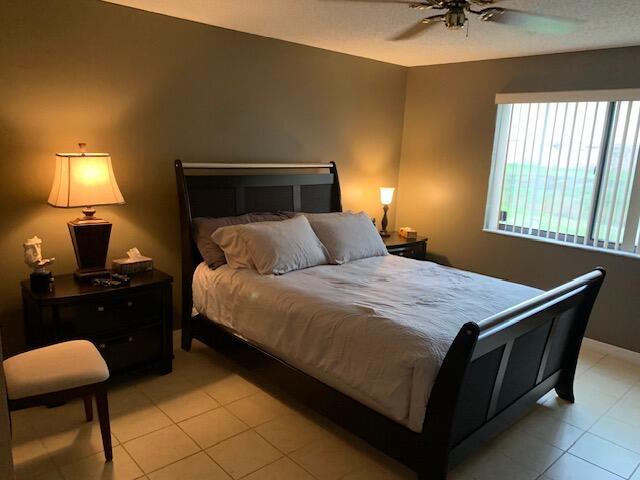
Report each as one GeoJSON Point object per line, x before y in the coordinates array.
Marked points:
{"type": "Point", "coordinates": [497, 369]}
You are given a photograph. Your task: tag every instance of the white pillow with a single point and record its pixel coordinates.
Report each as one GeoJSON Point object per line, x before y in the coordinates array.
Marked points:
{"type": "Point", "coordinates": [347, 236]}
{"type": "Point", "coordinates": [271, 247]}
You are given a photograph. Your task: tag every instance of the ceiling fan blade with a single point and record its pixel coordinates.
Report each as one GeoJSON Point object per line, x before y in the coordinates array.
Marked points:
{"type": "Point", "coordinates": [487, 14]}
{"type": "Point", "coordinates": [411, 3]}
{"type": "Point", "coordinates": [418, 28]}
{"type": "Point", "coordinates": [532, 22]}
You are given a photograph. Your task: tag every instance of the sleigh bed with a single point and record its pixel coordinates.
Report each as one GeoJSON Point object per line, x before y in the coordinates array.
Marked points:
{"type": "Point", "coordinates": [492, 372]}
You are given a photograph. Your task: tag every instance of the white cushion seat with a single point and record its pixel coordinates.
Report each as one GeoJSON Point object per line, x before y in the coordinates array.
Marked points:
{"type": "Point", "coordinates": [54, 368]}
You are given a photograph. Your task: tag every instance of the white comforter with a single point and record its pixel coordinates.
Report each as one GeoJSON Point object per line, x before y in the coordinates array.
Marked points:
{"type": "Point", "coordinates": [376, 329]}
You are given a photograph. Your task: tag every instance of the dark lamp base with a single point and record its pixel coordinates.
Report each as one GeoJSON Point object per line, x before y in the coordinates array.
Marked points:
{"type": "Point", "coordinates": [90, 238]}
{"type": "Point", "coordinates": [383, 223]}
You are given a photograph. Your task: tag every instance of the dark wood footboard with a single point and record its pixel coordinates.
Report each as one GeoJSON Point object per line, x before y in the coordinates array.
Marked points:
{"type": "Point", "coordinates": [497, 369]}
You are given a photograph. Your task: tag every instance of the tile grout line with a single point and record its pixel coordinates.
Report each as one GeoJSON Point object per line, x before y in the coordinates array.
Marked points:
{"type": "Point", "coordinates": [590, 432]}
{"type": "Point", "coordinates": [597, 466]}
{"type": "Point", "coordinates": [252, 429]}
{"type": "Point", "coordinates": [216, 443]}
{"type": "Point", "coordinates": [285, 454]}
{"type": "Point", "coordinates": [134, 460]}
{"type": "Point", "coordinates": [249, 428]}
{"type": "Point", "coordinates": [605, 414]}
{"type": "Point", "coordinates": [565, 451]}
{"type": "Point", "coordinates": [299, 464]}
{"type": "Point", "coordinates": [169, 416]}
{"type": "Point", "coordinates": [201, 449]}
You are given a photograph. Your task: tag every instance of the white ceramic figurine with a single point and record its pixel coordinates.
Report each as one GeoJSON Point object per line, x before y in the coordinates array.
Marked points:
{"type": "Point", "coordinates": [33, 254]}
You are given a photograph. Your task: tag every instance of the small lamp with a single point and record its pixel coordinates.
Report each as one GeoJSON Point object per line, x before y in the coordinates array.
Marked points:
{"type": "Point", "coordinates": [386, 197]}
{"type": "Point", "coordinates": [86, 180]}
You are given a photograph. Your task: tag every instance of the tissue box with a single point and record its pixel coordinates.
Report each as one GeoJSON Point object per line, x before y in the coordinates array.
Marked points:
{"type": "Point", "coordinates": [408, 233]}
{"type": "Point", "coordinates": [129, 266]}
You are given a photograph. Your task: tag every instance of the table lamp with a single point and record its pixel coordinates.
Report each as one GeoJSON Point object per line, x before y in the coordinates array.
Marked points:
{"type": "Point", "coordinates": [86, 180]}
{"type": "Point", "coordinates": [386, 197]}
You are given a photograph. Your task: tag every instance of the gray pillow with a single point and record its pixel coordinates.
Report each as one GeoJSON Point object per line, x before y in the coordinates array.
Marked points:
{"type": "Point", "coordinates": [271, 247]}
{"type": "Point", "coordinates": [347, 236]}
{"type": "Point", "coordinates": [204, 227]}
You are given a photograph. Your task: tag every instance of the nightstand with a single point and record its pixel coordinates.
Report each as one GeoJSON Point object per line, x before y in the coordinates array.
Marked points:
{"type": "Point", "coordinates": [130, 325]}
{"type": "Point", "coordinates": [397, 245]}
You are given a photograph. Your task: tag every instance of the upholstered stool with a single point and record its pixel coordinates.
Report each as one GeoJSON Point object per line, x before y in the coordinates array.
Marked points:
{"type": "Point", "coordinates": [59, 373]}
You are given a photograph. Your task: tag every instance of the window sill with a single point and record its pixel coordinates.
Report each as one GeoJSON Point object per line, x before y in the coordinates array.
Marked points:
{"type": "Point", "coordinates": [563, 244]}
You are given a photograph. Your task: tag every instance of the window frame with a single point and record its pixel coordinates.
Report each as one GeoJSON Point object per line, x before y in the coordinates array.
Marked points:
{"type": "Point", "coordinates": [628, 245]}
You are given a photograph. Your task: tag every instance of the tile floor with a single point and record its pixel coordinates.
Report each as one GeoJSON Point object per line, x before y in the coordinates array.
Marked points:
{"type": "Point", "coordinates": [207, 420]}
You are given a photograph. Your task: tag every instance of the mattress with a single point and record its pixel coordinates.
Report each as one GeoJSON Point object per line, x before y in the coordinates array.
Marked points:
{"type": "Point", "coordinates": [375, 329]}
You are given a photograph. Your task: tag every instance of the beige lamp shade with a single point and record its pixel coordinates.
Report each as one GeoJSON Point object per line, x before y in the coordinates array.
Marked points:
{"type": "Point", "coordinates": [84, 179]}
{"type": "Point", "coordinates": [386, 195]}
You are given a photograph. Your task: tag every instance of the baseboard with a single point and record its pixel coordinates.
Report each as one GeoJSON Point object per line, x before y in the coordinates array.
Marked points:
{"type": "Point", "coordinates": [628, 355]}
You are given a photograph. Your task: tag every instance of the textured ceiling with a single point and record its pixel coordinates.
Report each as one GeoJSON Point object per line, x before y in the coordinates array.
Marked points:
{"type": "Point", "coordinates": [364, 29]}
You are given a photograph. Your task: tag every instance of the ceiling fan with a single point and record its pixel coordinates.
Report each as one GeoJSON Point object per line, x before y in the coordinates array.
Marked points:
{"type": "Point", "coordinates": [456, 16]}
{"type": "Point", "coordinates": [458, 12]}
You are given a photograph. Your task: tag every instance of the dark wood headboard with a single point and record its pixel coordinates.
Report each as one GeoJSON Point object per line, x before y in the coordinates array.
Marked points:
{"type": "Point", "coordinates": [208, 190]}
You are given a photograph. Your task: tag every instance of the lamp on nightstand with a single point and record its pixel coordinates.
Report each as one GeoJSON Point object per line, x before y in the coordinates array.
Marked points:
{"type": "Point", "coordinates": [86, 180]}
{"type": "Point", "coordinates": [386, 197]}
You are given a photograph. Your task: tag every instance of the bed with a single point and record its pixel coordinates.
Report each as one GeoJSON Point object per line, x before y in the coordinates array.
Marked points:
{"type": "Point", "coordinates": [423, 361]}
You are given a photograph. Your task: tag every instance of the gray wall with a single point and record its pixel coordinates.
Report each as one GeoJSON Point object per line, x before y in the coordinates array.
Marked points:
{"type": "Point", "coordinates": [150, 89]}
{"type": "Point", "coordinates": [444, 172]}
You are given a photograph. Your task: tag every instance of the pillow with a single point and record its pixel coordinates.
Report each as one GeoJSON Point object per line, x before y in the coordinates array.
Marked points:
{"type": "Point", "coordinates": [347, 236]}
{"type": "Point", "coordinates": [271, 247]}
{"type": "Point", "coordinates": [204, 227]}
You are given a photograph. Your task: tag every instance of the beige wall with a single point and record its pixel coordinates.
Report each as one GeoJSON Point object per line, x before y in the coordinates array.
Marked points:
{"type": "Point", "coordinates": [150, 89]}
{"type": "Point", "coordinates": [446, 156]}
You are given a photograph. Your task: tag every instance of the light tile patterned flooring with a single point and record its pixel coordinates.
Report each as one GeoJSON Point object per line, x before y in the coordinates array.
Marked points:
{"type": "Point", "coordinates": [208, 420]}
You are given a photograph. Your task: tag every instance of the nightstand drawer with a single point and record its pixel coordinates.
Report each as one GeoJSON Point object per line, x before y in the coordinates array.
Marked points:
{"type": "Point", "coordinates": [135, 348]}
{"type": "Point", "coordinates": [112, 315]}
{"type": "Point", "coordinates": [138, 309]}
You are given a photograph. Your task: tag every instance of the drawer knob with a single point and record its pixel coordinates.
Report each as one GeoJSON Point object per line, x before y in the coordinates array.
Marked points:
{"type": "Point", "coordinates": [101, 309]}
{"type": "Point", "coordinates": [129, 303]}
{"type": "Point", "coordinates": [130, 339]}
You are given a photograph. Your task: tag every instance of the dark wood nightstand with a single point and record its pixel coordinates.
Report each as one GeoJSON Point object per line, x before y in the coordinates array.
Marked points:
{"type": "Point", "coordinates": [397, 245]}
{"type": "Point", "coordinates": [130, 325]}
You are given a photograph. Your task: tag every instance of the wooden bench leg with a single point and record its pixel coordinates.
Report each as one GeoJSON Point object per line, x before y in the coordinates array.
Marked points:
{"type": "Point", "coordinates": [88, 408]}
{"type": "Point", "coordinates": [102, 405]}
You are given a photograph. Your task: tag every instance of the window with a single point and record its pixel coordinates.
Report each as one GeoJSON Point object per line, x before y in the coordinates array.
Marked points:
{"type": "Point", "coordinates": [567, 171]}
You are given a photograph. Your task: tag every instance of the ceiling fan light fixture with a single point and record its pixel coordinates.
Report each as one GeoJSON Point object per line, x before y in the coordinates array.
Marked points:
{"type": "Point", "coordinates": [455, 19]}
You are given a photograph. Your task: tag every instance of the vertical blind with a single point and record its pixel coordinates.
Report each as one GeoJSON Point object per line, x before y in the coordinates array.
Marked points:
{"type": "Point", "coordinates": [568, 171]}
